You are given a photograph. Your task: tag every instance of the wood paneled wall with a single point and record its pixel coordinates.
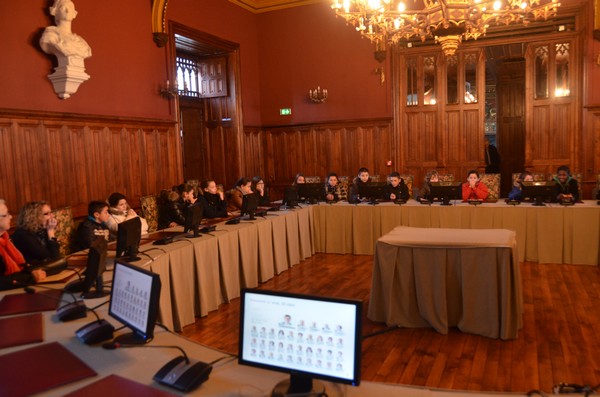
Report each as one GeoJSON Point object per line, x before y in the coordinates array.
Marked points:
{"type": "Point", "coordinates": [279, 153]}
{"type": "Point", "coordinates": [69, 160]}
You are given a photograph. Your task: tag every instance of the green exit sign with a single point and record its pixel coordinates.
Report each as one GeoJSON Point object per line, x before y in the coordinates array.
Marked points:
{"type": "Point", "coordinates": [285, 111]}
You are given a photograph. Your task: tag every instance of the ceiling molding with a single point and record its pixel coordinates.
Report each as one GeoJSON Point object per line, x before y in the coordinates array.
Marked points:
{"type": "Point", "coordinates": [259, 6]}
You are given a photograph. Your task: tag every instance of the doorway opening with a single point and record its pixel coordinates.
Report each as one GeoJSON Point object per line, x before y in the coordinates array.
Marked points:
{"type": "Point", "coordinates": [505, 108]}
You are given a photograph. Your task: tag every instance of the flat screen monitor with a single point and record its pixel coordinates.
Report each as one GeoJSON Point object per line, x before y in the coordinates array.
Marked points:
{"type": "Point", "coordinates": [310, 193]}
{"type": "Point", "coordinates": [134, 301]}
{"type": "Point", "coordinates": [290, 197]}
{"type": "Point", "coordinates": [94, 270]}
{"type": "Point", "coordinates": [373, 191]}
{"type": "Point", "coordinates": [249, 205]}
{"type": "Point", "coordinates": [539, 191]}
{"type": "Point", "coordinates": [129, 234]}
{"type": "Point", "coordinates": [304, 335]}
{"type": "Point", "coordinates": [193, 217]}
{"type": "Point", "coordinates": [446, 191]}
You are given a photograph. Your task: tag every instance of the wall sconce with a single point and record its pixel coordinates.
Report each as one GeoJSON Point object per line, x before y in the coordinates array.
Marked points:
{"type": "Point", "coordinates": [168, 92]}
{"type": "Point", "coordinates": [318, 95]}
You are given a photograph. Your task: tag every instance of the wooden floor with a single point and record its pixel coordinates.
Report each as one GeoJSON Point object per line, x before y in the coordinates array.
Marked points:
{"type": "Point", "coordinates": [560, 340]}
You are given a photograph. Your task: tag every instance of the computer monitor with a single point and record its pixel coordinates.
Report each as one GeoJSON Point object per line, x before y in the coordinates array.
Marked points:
{"type": "Point", "coordinates": [193, 217]}
{"type": "Point", "coordinates": [134, 301]}
{"type": "Point", "coordinates": [309, 337]}
{"type": "Point", "coordinates": [446, 191]}
{"type": "Point", "coordinates": [94, 270]}
{"type": "Point", "coordinates": [310, 193]}
{"type": "Point", "coordinates": [290, 197]}
{"type": "Point", "coordinates": [373, 191]}
{"type": "Point", "coordinates": [539, 191]}
{"type": "Point", "coordinates": [129, 234]}
{"type": "Point", "coordinates": [249, 205]}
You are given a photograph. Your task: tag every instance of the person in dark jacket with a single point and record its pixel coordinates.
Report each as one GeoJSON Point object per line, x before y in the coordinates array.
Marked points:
{"type": "Point", "coordinates": [396, 189]}
{"type": "Point", "coordinates": [359, 182]}
{"type": "Point", "coordinates": [492, 157]}
{"type": "Point", "coordinates": [567, 188]}
{"type": "Point", "coordinates": [35, 235]}
{"type": "Point", "coordinates": [212, 200]}
{"type": "Point", "coordinates": [258, 187]}
{"type": "Point", "coordinates": [93, 227]}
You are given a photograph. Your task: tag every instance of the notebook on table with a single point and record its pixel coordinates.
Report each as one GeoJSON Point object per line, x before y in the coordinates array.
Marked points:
{"type": "Point", "coordinates": [30, 303]}
{"type": "Point", "coordinates": [40, 368]}
{"type": "Point", "coordinates": [21, 330]}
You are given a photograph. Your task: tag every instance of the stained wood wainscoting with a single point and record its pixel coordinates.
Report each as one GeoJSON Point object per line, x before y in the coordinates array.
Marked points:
{"type": "Point", "coordinates": [278, 153]}
{"type": "Point", "coordinates": [69, 160]}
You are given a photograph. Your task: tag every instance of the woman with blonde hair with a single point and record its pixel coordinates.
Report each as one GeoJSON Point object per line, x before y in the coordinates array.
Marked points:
{"type": "Point", "coordinates": [35, 235]}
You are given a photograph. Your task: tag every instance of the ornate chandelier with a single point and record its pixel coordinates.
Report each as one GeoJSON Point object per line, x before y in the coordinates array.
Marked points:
{"type": "Point", "coordinates": [447, 21]}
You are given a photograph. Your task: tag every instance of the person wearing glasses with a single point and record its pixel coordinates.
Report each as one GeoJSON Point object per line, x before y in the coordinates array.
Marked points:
{"type": "Point", "coordinates": [14, 271]}
{"type": "Point", "coordinates": [35, 235]}
{"type": "Point", "coordinates": [258, 187]}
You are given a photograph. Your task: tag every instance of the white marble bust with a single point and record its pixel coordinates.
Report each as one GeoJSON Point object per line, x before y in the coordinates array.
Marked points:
{"type": "Point", "coordinates": [59, 40]}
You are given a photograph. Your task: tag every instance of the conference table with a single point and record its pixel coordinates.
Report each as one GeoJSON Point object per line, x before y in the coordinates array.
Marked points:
{"type": "Point", "coordinates": [227, 379]}
{"type": "Point", "coordinates": [549, 234]}
{"type": "Point", "coordinates": [442, 278]}
{"type": "Point", "coordinates": [199, 274]}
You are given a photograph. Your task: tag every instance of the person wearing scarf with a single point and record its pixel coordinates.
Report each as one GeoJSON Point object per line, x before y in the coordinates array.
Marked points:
{"type": "Point", "coordinates": [14, 272]}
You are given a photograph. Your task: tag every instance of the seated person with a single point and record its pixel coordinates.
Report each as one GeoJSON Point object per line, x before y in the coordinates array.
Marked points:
{"type": "Point", "coordinates": [14, 272]}
{"type": "Point", "coordinates": [258, 187]}
{"type": "Point", "coordinates": [396, 189]}
{"type": "Point", "coordinates": [120, 212]}
{"type": "Point", "coordinates": [299, 178]}
{"type": "Point", "coordinates": [35, 235]}
{"type": "Point", "coordinates": [517, 191]}
{"type": "Point", "coordinates": [361, 180]}
{"type": "Point", "coordinates": [567, 188]}
{"type": "Point", "coordinates": [212, 200]}
{"type": "Point", "coordinates": [473, 188]}
{"type": "Point", "coordinates": [332, 190]}
{"type": "Point", "coordinates": [172, 211]}
{"type": "Point", "coordinates": [93, 227]}
{"type": "Point", "coordinates": [235, 196]}
{"type": "Point", "coordinates": [424, 194]}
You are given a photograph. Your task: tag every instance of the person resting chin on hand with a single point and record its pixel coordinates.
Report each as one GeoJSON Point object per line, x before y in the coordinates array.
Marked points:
{"type": "Point", "coordinates": [474, 189]}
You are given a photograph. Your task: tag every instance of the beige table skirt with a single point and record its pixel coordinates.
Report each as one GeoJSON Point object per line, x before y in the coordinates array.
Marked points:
{"type": "Point", "coordinates": [551, 234]}
{"type": "Point", "coordinates": [448, 277]}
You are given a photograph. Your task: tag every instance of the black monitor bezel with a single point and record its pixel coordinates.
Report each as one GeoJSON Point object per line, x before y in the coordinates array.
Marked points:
{"type": "Point", "coordinates": [193, 215]}
{"type": "Point", "coordinates": [139, 335]}
{"type": "Point", "coordinates": [355, 381]}
{"type": "Point", "coordinates": [129, 235]}
{"type": "Point", "coordinates": [373, 191]}
{"type": "Point", "coordinates": [310, 192]}
{"type": "Point", "coordinates": [445, 191]}
{"type": "Point", "coordinates": [250, 204]}
{"type": "Point", "coordinates": [539, 191]}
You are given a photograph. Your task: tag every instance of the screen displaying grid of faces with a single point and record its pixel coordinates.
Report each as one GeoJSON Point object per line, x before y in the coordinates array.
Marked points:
{"type": "Point", "coordinates": [130, 297]}
{"type": "Point", "coordinates": [300, 334]}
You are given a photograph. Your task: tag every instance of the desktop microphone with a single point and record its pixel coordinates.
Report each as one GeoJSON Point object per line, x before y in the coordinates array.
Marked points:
{"type": "Point", "coordinates": [179, 373]}
{"type": "Point", "coordinates": [67, 312]}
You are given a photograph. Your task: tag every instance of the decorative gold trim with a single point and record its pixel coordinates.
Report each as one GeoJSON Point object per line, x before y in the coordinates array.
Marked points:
{"type": "Point", "coordinates": [259, 6]}
{"type": "Point", "coordinates": [159, 22]}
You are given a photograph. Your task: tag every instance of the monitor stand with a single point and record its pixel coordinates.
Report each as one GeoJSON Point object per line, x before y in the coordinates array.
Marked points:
{"type": "Point", "coordinates": [99, 291]}
{"type": "Point", "coordinates": [299, 385]}
{"type": "Point", "coordinates": [539, 202]}
{"type": "Point", "coordinates": [131, 338]}
{"type": "Point", "coordinates": [446, 201]}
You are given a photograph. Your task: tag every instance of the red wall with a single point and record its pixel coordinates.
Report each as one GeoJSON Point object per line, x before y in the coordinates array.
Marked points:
{"type": "Point", "coordinates": [303, 47]}
{"type": "Point", "coordinates": [126, 67]}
